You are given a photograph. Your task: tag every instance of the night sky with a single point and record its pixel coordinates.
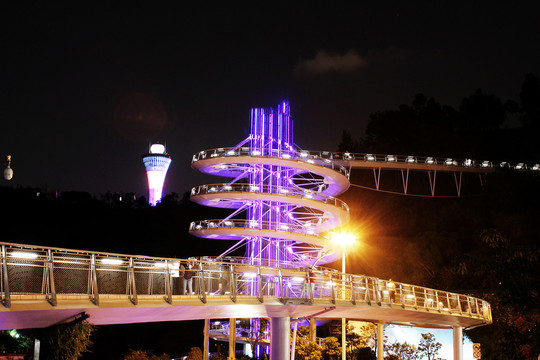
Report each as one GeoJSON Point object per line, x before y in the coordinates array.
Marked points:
{"type": "Point", "coordinates": [87, 86]}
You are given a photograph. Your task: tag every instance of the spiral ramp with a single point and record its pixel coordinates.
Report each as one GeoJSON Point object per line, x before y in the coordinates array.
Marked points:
{"type": "Point", "coordinates": [300, 208]}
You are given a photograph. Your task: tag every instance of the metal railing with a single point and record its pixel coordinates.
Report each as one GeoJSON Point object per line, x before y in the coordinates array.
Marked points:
{"type": "Point", "coordinates": [311, 229]}
{"type": "Point", "coordinates": [273, 190]}
{"type": "Point", "coordinates": [47, 272]}
{"type": "Point", "coordinates": [427, 160]}
{"type": "Point", "coordinates": [287, 155]}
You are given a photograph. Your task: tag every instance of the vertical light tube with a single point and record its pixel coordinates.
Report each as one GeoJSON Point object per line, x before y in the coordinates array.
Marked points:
{"type": "Point", "coordinates": [270, 135]}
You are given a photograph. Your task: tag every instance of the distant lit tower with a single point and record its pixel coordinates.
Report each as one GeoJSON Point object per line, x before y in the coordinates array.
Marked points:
{"type": "Point", "coordinates": [8, 172]}
{"type": "Point", "coordinates": [156, 163]}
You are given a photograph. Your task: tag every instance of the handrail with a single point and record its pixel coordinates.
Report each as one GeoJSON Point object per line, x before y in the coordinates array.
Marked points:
{"type": "Point", "coordinates": [84, 272]}
{"type": "Point", "coordinates": [310, 229]}
{"type": "Point", "coordinates": [410, 159]}
{"type": "Point", "coordinates": [287, 155]}
{"type": "Point", "coordinates": [273, 190]}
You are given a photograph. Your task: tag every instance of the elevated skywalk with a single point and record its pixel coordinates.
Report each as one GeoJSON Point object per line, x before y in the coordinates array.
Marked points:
{"type": "Point", "coordinates": [43, 286]}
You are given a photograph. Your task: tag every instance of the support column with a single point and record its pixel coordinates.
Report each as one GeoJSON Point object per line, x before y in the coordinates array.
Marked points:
{"type": "Point", "coordinates": [206, 339]}
{"type": "Point", "coordinates": [343, 339]}
{"type": "Point", "coordinates": [380, 342]}
{"type": "Point", "coordinates": [280, 333]}
{"type": "Point", "coordinates": [37, 345]}
{"type": "Point", "coordinates": [312, 329]}
{"type": "Point", "coordinates": [232, 339]}
{"type": "Point", "coordinates": [458, 343]}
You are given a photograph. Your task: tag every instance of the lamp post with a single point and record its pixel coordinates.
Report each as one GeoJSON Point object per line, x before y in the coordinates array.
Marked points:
{"type": "Point", "coordinates": [343, 239]}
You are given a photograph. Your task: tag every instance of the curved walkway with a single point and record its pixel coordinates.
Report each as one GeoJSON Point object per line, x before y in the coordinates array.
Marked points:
{"type": "Point", "coordinates": [42, 286]}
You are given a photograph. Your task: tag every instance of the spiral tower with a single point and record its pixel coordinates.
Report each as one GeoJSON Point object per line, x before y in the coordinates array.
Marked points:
{"type": "Point", "coordinates": [283, 198]}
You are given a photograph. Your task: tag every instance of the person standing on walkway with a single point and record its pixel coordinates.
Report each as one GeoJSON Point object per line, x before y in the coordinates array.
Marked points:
{"type": "Point", "coordinates": [391, 291]}
{"type": "Point", "coordinates": [188, 278]}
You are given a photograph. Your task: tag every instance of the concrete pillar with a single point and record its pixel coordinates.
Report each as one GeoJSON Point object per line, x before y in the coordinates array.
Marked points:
{"type": "Point", "coordinates": [293, 345]}
{"type": "Point", "coordinates": [37, 345]}
{"type": "Point", "coordinates": [458, 343]}
{"type": "Point", "coordinates": [206, 339]}
{"type": "Point", "coordinates": [380, 342]}
{"type": "Point", "coordinates": [280, 333]}
{"type": "Point", "coordinates": [343, 339]}
{"type": "Point", "coordinates": [232, 339]}
{"type": "Point", "coordinates": [312, 329]}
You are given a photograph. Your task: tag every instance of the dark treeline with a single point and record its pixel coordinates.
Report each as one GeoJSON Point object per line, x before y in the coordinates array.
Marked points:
{"type": "Point", "coordinates": [483, 127]}
{"type": "Point", "coordinates": [118, 223]}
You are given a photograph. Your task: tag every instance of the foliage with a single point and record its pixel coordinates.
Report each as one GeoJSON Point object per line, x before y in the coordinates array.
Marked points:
{"type": "Point", "coordinates": [515, 333]}
{"type": "Point", "coordinates": [358, 336]}
{"type": "Point", "coordinates": [11, 341]}
{"type": "Point", "coordinates": [66, 341]}
{"type": "Point", "coordinates": [348, 144]}
{"type": "Point", "coordinates": [428, 347]}
{"type": "Point", "coordinates": [530, 102]}
{"type": "Point", "coordinates": [331, 348]}
{"type": "Point", "coordinates": [136, 355]}
{"type": "Point", "coordinates": [477, 128]}
{"type": "Point", "coordinates": [144, 355]}
{"type": "Point", "coordinates": [195, 354]}
{"type": "Point", "coordinates": [401, 351]}
{"type": "Point", "coordinates": [220, 355]}
{"type": "Point", "coordinates": [304, 348]}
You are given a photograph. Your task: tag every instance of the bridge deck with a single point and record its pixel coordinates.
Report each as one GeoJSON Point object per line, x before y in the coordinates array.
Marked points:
{"type": "Point", "coordinates": [30, 311]}
{"type": "Point", "coordinates": [44, 286]}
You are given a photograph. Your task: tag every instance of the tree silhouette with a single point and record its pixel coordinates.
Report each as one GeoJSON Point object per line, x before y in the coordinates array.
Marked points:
{"type": "Point", "coordinates": [66, 341]}
{"type": "Point", "coordinates": [428, 348]}
{"type": "Point", "coordinates": [304, 348]}
{"type": "Point", "coordinates": [331, 348]}
{"type": "Point", "coordinates": [530, 102]}
{"type": "Point", "coordinates": [195, 354]}
{"type": "Point", "coordinates": [480, 128]}
{"type": "Point", "coordinates": [401, 351]}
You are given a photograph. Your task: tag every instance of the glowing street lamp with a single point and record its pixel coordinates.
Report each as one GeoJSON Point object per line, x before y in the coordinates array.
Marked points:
{"type": "Point", "coordinates": [344, 239]}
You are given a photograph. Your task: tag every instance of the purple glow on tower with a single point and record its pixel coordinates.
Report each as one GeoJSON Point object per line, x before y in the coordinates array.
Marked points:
{"type": "Point", "coordinates": [285, 193]}
{"type": "Point", "coordinates": [271, 135]}
{"type": "Point", "coordinates": [156, 163]}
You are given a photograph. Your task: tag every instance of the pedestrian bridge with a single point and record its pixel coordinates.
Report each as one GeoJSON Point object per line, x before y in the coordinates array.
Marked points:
{"type": "Point", "coordinates": [43, 286]}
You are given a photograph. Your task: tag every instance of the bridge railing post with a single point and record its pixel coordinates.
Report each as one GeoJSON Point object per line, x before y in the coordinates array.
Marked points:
{"type": "Point", "coordinates": [93, 293]}
{"type": "Point", "coordinates": [377, 292]}
{"type": "Point", "coordinates": [131, 287]}
{"type": "Point", "coordinates": [48, 279]}
{"type": "Point", "coordinates": [5, 297]}
{"type": "Point", "coordinates": [168, 288]}
{"type": "Point", "coordinates": [233, 282]}
{"type": "Point", "coordinates": [260, 295]}
{"type": "Point", "coordinates": [367, 296]}
{"type": "Point", "coordinates": [353, 290]}
{"type": "Point", "coordinates": [202, 287]}
{"type": "Point", "coordinates": [332, 289]}
{"type": "Point", "coordinates": [280, 279]}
